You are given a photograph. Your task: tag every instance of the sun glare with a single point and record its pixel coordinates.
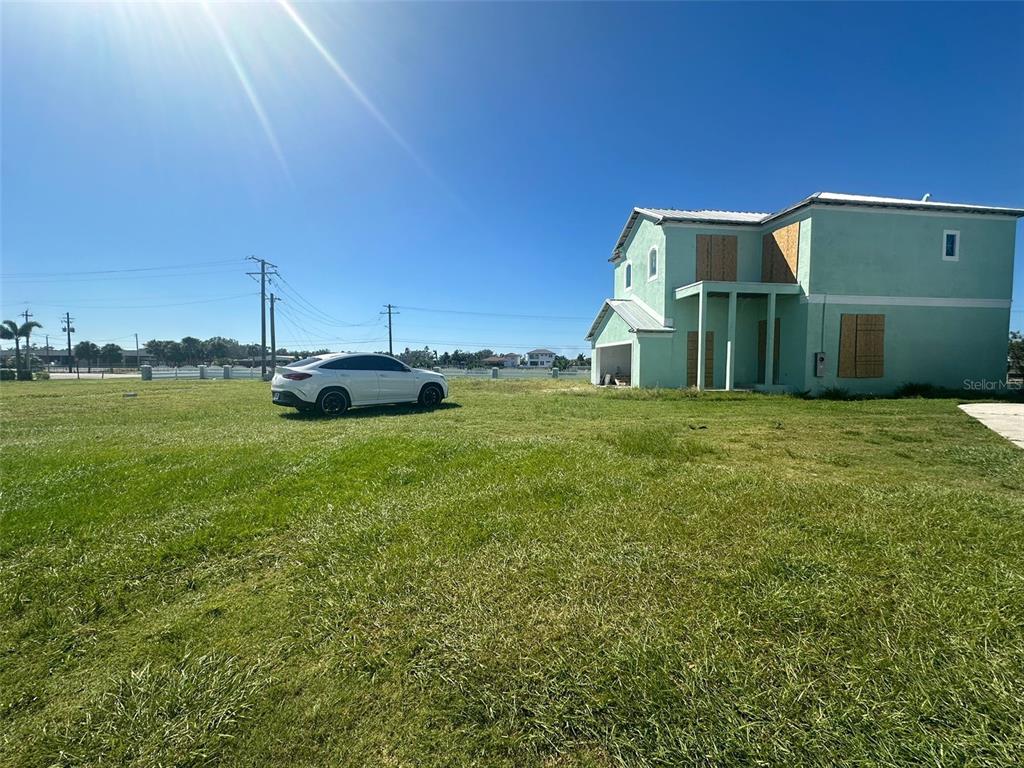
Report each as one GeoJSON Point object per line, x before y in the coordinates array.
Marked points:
{"type": "Point", "coordinates": [243, 80]}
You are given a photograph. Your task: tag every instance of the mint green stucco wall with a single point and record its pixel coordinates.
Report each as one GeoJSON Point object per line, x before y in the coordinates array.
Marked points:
{"type": "Point", "coordinates": [869, 253]}
{"type": "Point", "coordinates": [944, 346]}
{"type": "Point", "coordinates": [681, 247]}
{"type": "Point", "coordinates": [659, 365]}
{"type": "Point", "coordinates": [613, 330]}
{"type": "Point", "coordinates": [653, 293]}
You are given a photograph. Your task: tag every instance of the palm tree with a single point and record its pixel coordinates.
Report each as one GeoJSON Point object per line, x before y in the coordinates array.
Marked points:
{"type": "Point", "coordinates": [9, 330]}
{"type": "Point", "coordinates": [25, 329]}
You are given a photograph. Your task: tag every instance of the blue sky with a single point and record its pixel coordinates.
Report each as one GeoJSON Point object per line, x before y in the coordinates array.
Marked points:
{"type": "Point", "coordinates": [472, 158]}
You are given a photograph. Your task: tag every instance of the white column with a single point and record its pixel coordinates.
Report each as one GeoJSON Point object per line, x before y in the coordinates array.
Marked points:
{"type": "Point", "coordinates": [730, 346]}
{"type": "Point", "coordinates": [702, 324]}
{"type": "Point", "coordinates": [769, 344]}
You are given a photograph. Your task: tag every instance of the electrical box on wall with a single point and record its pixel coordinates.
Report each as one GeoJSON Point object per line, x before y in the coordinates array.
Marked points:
{"type": "Point", "coordinates": [819, 364]}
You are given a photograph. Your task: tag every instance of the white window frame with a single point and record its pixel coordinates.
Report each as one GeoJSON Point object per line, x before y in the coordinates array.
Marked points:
{"type": "Point", "coordinates": [956, 251]}
{"type": "Point", "coordinates": [627, 277]}
{"type": "Point", "coordinates": [652, 259]}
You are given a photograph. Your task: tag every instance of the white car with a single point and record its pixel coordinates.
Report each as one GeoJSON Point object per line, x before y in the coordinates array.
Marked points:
{"type": "Point", "coordinates": [331, 384]}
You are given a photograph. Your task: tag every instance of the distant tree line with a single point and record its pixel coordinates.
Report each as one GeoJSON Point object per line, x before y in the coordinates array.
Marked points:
{"type": "Point", "coordinates": [217, 350]}
{"type": "Point", "coordinates": [426, 358]}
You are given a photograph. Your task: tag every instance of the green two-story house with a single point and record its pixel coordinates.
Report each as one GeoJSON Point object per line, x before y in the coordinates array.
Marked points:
{"type": "Point", "coordinates": [861, 293]}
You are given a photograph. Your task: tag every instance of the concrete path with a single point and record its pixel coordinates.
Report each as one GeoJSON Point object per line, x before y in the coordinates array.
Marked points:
{"type": "Point", "coordinates": [1005, 418]}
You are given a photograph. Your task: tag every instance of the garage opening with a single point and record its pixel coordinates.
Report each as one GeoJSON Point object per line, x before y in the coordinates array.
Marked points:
{"type": "Point", "coordinates": [614, 364]}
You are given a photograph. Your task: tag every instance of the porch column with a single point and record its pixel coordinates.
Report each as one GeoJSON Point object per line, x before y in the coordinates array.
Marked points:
{"type": "Point", "coordinates": [702, 324]}
{"type": "Point", "coordinates": [730, 344]}
{"type": "Point", "coordinates": [769, 344]}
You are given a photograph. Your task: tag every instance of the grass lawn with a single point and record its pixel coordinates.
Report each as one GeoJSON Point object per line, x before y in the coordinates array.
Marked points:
{"type": "Point", "coordinates": [537, 574]}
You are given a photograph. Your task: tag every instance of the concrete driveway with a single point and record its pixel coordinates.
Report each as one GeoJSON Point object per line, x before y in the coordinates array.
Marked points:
{"type": "Point", "coordinates": [1005, 418]}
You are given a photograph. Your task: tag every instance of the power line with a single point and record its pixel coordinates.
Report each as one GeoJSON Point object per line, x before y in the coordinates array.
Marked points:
{"type": "Point", "coordinates": [152, 306]}
{"type": "Point", "coordinates": [493, 314]}
{"type": "Point", "coordinates": [11, 275]}
{"type": "Point", "coordinates": [319, 316]}
{"type": "Point", "coordinates": [312, 308]}
{"type": "Point", "coordinates": [492, 344]}
{"type": "Point", "coordinates": [105, 278]}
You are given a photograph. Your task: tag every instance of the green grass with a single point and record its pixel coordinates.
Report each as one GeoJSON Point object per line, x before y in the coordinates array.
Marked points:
{"type": "Point", "coordinates": [538, 574]}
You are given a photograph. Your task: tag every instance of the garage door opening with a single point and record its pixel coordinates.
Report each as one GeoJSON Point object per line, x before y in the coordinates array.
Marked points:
{"type": "Point", "coordinates": [614, 364]}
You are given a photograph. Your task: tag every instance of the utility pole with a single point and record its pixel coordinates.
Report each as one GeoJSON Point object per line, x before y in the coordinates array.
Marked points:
{"type": "Point", "coordinates": [138, 360]}
{"type": "Point", "coordinates": [273, 330]}
{"type": "Point", "coordinates": [389, 313]}
{"type": "Point", "coordinates": [263, 273]}
{"type": "Point", "coordinates": [47, 337]}
{"type": "Point", "coordinates": [67, 328]}
{"type": "Point", "coordinates": [28, 352]}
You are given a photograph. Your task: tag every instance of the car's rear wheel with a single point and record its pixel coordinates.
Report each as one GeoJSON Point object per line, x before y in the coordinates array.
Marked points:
{"type": "Point", "coordinates": [333, 402]}
{"type": "Point", "coordinates": [431, 396]}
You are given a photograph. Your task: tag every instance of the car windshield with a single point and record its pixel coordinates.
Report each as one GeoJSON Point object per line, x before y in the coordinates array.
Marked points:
{"type": "Point", "coordinates": [304, 362]}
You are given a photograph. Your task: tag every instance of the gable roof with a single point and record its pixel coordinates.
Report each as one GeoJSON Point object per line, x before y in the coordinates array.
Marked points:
{"type": "Point", "coordinates": [745, 218]}
{"type": "Point", "coordinates": [632, 314]}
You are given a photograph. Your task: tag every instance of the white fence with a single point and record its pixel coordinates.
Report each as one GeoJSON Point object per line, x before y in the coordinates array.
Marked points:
{"type": "Point", "coordinates": [239, 372]}
{"type": "Point", "coordinates": [212, 372]}
{"type": "Point", "coordinates": [513, 373]}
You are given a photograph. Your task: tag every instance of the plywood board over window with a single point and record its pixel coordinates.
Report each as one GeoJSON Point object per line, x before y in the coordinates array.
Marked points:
{"type": "Point", "coordinates": [780, 252]}
{"type": "Point", "coordinates": [709, 359]}
{"type": "Point", "coordinates": [716, 257]}
{"type": "Point", "coordinates": [861, 346]}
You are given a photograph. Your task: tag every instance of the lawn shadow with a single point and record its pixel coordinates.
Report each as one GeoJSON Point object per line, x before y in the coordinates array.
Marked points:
{"type": "Point", "coordinates": [370, 412]}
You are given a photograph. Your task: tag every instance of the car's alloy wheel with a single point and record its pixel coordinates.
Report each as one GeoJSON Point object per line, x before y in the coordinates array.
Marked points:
{"type": "Point", "coordinates": [430, 396]}
{"type": "Point", "coordinates": [333, 403]}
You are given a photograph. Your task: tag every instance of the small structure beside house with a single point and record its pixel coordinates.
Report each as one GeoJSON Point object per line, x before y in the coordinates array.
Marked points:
{"type": "Point", "coordinates": [511, 360]}
{"type": "Point", "coordinates": [849, 291]}
{"type": "Point", "coordinates": [539, 358]}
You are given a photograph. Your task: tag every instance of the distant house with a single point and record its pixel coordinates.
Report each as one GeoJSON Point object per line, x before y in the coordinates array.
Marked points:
{"type": "Point", "coordinates": [511, 360]}
{"type": "Point", "coordinates": [540, 358]}
{"type": "Point", "coordinates": [860, 293]}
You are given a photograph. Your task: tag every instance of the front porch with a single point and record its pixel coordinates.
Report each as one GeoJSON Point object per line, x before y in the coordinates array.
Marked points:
{"type": "Point", "coordinates": [700, 356]}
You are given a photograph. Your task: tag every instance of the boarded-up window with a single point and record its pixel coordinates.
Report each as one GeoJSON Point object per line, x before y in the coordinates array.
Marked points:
{"type": "Point", "coordinates": [762, 350]}
{"type": "Point", "coordinates": [709, 359]}
{"type": "Point", "coordinates": [716, 257]}
{"type": "Point", "coordinates": [779, 254]}
{"type": "Point", "coordinates": [861, 346]}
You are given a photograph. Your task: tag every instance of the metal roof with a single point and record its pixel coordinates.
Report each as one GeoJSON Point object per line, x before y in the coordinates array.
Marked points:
{"type": "Point", "coordinates": [632, 314]}
{"type": "Point", "coordinates": [745, 218]}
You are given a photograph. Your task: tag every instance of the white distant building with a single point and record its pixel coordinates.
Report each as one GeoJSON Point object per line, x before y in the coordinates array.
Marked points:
{"type": "Point", "coordinates": [540, 358]}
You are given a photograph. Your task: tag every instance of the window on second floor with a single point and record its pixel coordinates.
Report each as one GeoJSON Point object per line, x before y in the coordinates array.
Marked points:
{"type": "Point", "coordinates": [629, 275]}
{"type": "Point", "coordinates": [652, 263]}
{"type": "Point", "coordinates": [951, 245]}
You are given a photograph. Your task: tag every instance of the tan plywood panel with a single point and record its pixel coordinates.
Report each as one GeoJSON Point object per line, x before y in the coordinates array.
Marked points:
{"type": "Point", "coordinates": [848, 346]}
{"type": "Point", "coordinates": [691, 359]}
{"type": "Point", "coordinates": [703, 258]}
{"type": "Point", "coordinates": [709, 359]}
{"type": "Point", "coordinates": [870, 346]}
{"type": "Point", "coordinates": [780, 254]}
{"type": "Point", "coordinates": [730, 246]}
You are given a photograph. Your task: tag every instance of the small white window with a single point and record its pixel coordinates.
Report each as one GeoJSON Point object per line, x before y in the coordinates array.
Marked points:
{"type": "Point", "coordinates": [629, 275]}
{"type": "Point", "coordinates": [951, 245]}
{"type": "Point", "coordinates": [652, 264]}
